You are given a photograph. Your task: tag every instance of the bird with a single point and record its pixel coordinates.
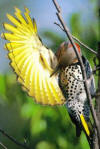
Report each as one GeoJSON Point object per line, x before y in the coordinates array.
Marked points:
{"type": "Point", "coordinates": [50, 78]}
{"type": "Point", "coordinates": [72, 85]}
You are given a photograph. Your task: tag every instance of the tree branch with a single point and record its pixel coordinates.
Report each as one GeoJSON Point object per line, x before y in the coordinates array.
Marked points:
{"type": "Point", "coordinates": [13, 140]}
{"type": "Point", "coordinates": [95, 138]}
{"type": "Point", "coordinates": [66, 30]}
{"type": "Point", "coordinates": [76, 39]}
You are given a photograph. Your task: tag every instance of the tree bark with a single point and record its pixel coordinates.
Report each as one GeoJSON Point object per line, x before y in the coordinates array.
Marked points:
{"type": "Point", "coordinates": [96, 145]}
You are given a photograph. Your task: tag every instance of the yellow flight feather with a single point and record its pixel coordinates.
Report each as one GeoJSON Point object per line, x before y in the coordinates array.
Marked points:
{"type": "Point", "coordinates": [84, 124]}
{"type": "Point", "coordinates": [31, 60]}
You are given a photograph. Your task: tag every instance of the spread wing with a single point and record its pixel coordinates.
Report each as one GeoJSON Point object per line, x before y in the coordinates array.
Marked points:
{"type": "Point", "coordinates": [31, 60]}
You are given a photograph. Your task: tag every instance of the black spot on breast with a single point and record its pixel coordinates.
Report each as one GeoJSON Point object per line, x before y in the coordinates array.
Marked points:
{"type": "Point", "coordinates": [72, 67]}
{"type": "Point", "coordinates": [76, 67]}
{"type": "Point", "coordinates": [75, 86]}
{"type": "Point", "coordinates": [66, 75]}
{"type": "Point", "coordinates": [78, 70]}
{"type": "Point", "coordinates": [77, 82]}
{"type": "Point", "coordinates": [78, 77]}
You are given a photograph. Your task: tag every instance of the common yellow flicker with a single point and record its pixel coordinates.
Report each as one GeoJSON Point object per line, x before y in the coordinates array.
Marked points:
{"type": "Point", "coordinates": [50, 78]}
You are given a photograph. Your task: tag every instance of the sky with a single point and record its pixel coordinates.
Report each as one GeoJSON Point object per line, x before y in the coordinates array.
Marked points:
{"type": "Point", "coordinates": [44, 13]}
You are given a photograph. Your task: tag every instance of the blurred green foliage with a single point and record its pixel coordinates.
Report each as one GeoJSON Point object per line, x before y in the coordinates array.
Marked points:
{"type": "Point", "coordinates": [42, 127]}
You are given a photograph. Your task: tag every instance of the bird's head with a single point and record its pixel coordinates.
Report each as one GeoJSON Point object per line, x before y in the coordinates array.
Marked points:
{"type": "Point", "coordinates": [66, 55]}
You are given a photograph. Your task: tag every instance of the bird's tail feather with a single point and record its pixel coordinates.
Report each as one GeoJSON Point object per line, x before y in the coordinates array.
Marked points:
{"type": "Point", "coordinates": [88, 129]}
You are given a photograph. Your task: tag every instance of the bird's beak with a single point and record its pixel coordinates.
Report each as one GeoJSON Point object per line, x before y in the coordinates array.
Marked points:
{"type": "Point", "coordinates": [55, 70]}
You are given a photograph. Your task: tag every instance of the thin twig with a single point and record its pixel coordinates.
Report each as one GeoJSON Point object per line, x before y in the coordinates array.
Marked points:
{"type": "Point", "coordinates": [3, 146]}
{"type": "Point", "coordinates": [66, 30]}
{"type": "Point", "coordinates": [13, 140]}
{"type": "Point", "coordinates": [90, 77]}
{"type": "Point", "coordinates": [96, 69]}
{"type": "Point", "coordinates": [84, 45]}
{"type": "Point", "coordinates": [80, 42]}
{"type": "Point", "coordinates": [76, 78]}
{"type": "Point", "coordinates": [94, 72]}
